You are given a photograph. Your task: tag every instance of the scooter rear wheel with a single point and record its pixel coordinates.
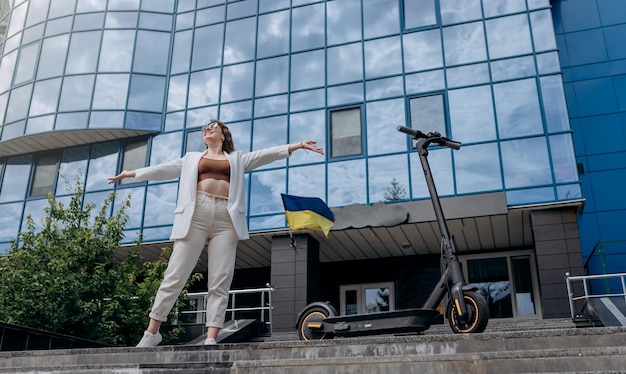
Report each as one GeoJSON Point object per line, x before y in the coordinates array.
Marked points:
{"type": "Point", "coordinates": [478, 314]}
{"type": "Point", "coordinates": [314, 316]}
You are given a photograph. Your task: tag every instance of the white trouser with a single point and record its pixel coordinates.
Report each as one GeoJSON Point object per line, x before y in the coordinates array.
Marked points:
{"type": "Point", "coordinates": [211, 222]}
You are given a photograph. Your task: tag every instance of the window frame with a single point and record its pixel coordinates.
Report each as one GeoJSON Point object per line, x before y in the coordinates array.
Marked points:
{"type": "Point", "coordinates": [43, 190]}
{"type": "Point", "coordinates": [361, 134]}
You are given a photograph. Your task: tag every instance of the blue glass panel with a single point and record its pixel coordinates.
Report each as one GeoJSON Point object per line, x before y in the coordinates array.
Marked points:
{"type": "Point", "coordinates": [307, 181]}
{"type": "Point", "coordinates": [343, 21]}
{"type": "Point", "coordinates": [37, 12]}
{"type": "Point", "coordinates": [3, 104]}
{"type": "Point", "coordinates": [579, 15]}
{"type": "Point", "coordinates": [427, 114]}
{"type": "Point", "coordinates": [241, 133]}
{"type": "Point", "coordinates": [519, 67]}
{"type": "Point", "coordinates": [13, 130]}
{"type": "Point", "coordinates": [146, 93]}
{"type": "Point", "coordinates": [307, 100]}
{"type": "Point", "coordinates": [422, 50]}
{"type": "Point", "coordinates": [536, 4]}
{"type": "Point", "coordinates": [166, 147]}
{"type": "Point", "coordinates": [453, 11]}
{"type": "Point", "coordinates": [13, 42]}
{"type": "Point", "coordinates": [10, 218]}
{"type": "Point", "coordinates": [554, 103]}
{"type": "Point", "coordinates": [269, 5]}
{"type": "Point", "coordinates": [123, 5]}
{"type": "Point", "coordinates": [52, 60]}
{"type": "Point", "coordinates": [346, 94]}
{"type": "Point", "coordinates": [265, 190]}
{"type": "Point", "coordinates": [269, 106]}
{"type": "Point", "coordinates": [236, 111]}
{"type": "Point", "coordinates": [382, 119]}
{"type": "Point", "coordinates": [26, 63]}
{"type": "Point", "coordinates": [32, 34]}
{"type": "Point", "coordinates": [611, 12]}
{"type": "Point", "coordinates": [40, 124]}
{"type": "Point", "coordinates": [380, 18]}
{"type": "Point", "coordinates": [424, 82]}
{"type": "Point", "coordinates": [602, 134]}
{"type": "Point", "coordinates": [177, 92]}
{"type": "Point", "coordinates": [18, 103]}
{"type": "Point", "coordinates": [383, 57]}
{"type": "Point", "coordinates": [440, 162]}
{"type": "Point", "coordinates": [237, 82]}
{"type": "Point", "coordinates": [530, 196]}
{"type": "Point", "coordinates": [346, 62]}
{"type": "Point", "coordinates": [58, 26]}
{"type": "Point", "coordinates": [151, 52]}
{"type": "Point", "coordinates": [73, 168]}
{"type": "Point", "coordinates": [102, 163]}
{"type": "Point", "coordinates": [45, 97]}
{"type": "Point", "coordinates": [15, 180]}
{"type": "Point", "coordinates": [613, 37]}
{"type": "Point", "coordinates": [174, 121]}
{"type": "Point", "coordinates": [308, 70]}
{"type": "Point", "coordinates": [117, 50]}
{"type": "Point", "coordinates": [162, 196]}
{"type": "Point", "coordinates": [135, 211]}
{"type": "Point", "coordinates": [543, 30]}
{"type": "Point", "coordinates": [304, 126]}
{"type": "Point", "coordinates": [307, 27]}
{"type": "Point", "coordinates": [187, 5]}
{"type": "Point", "coordinates": [155, 21]}
{"type": "Point", "coordinates": [242, 8]}
{"type": "Point", "coordinates": [563, 158]}
{"type": "Point", "coordinates": [269, 132]}
{"type": "Point", "coordinates": [151, 234]}
{"type": "Point", "coordinates": [270, 40]}
{"type": "Point", "coordinates": [238, 45]}
{"type": "Point", "coordinates": [83, 53]}
{"type": "Point", "coordinates": [471, 114]}
{"type": "Point", "coordinates": [477, 168]}
{"type": "Point", "coordinates": [346, 183]}
{"type": "Point", "coordinates": [6, 71]}
{"type": "Point", "coordinates": [203, 88]}
{"type": "Point", "coordinates": [464, 43]}
{"type": "Point", "coordinates": [501, 7]}
{"type": "Point", "coordinates": [467, 75]}
{"type": "Point", "coordinates": [267, 222]}
{"type": "Point", "coordinates": [517, 108]}
{"type": "Point", "coordinates": [110, 91]}
{"type": "Point", "coordinates": [383, 172]}
{"type": "Point", "coordinates": [508, 36]}
{"type": "Point", "coordinates": [525, 162]}
{"type": "Point", "coordinates": [184, 21]}
{"type": "Point", "coordinates": [143, 121]}
{"type": "Point", "coordinates": [109, 119]}
{"type": "Point", "coordinates": [122, 20]}
{"type": "Point", "coordinates": [272, 76]}
{"type": "Point", "coordinates": [384, 88]}
{"type": "Point", "coordinates": [195, 142]}
{"type": "Point", "coordinates": [18, 16]}
{"type": "Point", "coordinates": [210, 15]}
{"type": "Point", "coordinates": [182, 52]}
{"type": "Point", "coordinates": [34, 208]}
{"type": "Point", "coordinates": [595, 96]}
{"type": "Point", "coordinates": [91, 21]}
{"type": "Point", "coordinates": [419, 13]}
{"type": "Point", "coordinates": [620, 91]}
{"type": "Point", "coordinates": [76, 92]}
{"type": "Point", "coordinates": [586, 47]}
{"type": "Point", "coordinates": [71, 121]}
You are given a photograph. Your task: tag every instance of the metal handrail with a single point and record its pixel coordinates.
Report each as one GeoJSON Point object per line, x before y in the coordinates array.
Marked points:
{"type": "Point", "coordinates": [266, 292]}
{"type": "Point", "coordinates": [587, 295]}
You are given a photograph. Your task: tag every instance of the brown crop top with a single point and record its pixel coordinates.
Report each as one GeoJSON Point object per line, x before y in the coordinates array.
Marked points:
{"type": "Point", "coordinates": [216, 169]}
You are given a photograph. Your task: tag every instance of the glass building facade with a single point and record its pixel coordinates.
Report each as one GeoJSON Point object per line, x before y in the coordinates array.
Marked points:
{"type": "Point", "coordinates": [91, 87]}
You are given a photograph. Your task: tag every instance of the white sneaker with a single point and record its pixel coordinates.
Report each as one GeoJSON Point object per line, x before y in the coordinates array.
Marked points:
{"type": "Point", "coordinates": [210, 341]}
{"type": "Point", "coordinates": [150, 340]}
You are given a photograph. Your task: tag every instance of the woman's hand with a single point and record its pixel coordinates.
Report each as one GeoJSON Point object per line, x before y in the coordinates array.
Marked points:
{"type": "Point", "coordinates": [311, 145]}
{"type": "Point", "coordinates": [122, 175]}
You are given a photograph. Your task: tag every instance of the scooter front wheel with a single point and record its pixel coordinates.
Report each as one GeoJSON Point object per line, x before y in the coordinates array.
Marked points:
{"type": "Point", "coordinates": [311, 327]}
{"type": "Point", "coordinates": [477, 314]}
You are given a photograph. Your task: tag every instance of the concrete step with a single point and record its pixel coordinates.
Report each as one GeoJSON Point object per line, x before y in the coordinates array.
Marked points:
{"type": "Point", "coordinates": [568, 350]}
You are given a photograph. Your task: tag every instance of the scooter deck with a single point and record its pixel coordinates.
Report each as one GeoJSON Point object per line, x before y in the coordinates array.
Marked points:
{"type": "Point", "coordinates": [396, 322]}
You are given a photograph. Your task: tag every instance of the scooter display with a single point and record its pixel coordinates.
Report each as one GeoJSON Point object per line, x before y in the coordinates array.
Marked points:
{"type": "Point", "coordinates": [465, 309]}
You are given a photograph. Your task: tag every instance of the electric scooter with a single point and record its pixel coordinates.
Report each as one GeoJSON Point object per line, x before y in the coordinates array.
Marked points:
{"type": "Point", "coordinates": [465, 309]}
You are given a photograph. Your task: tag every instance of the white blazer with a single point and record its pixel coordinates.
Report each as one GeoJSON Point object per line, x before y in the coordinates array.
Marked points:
{"type": "Point", "coordinates": [187, 169]}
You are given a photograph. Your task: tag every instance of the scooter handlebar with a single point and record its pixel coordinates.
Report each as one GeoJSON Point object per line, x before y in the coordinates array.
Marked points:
{"type": "Point", "coordinates": [435, 137]}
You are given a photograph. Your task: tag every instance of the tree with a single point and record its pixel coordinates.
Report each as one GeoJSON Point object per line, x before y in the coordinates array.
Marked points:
{"type": "Point", "coordinates": [395, 191]}
{"type": "Point", "coordinates": [63, 275]}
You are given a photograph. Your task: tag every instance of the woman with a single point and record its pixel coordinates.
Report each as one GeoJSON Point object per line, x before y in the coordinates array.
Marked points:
{"type": "Point", "coordinates": [210, 207]}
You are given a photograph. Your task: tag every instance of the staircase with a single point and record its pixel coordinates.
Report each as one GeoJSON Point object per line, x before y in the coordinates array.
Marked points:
{"type": "Point", "coordinates": [533, 346]}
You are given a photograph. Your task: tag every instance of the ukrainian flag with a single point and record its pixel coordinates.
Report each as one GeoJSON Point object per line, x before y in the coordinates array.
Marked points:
{"type": "Point", "coordinates": [307, 213]}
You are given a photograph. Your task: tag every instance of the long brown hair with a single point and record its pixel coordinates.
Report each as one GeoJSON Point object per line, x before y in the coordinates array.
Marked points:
{"type": "Point", "coordinates": [228, 145]}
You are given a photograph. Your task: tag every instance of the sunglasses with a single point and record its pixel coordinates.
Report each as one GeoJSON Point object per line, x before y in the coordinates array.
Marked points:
{"type": "Point", "coordinates": [211, 126]}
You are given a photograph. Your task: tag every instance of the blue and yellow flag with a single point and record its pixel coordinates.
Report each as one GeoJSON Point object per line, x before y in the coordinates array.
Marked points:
{"type": "Point", "coordinates": [307, 213]}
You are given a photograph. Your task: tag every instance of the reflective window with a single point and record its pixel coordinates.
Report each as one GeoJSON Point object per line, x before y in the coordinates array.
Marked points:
{"type": "Point", "coordinates": [534, 4]}
{"type": "Point", "coordinates": [181, 55]}
{"type": "Point", "coordinates": [76, 93]}
{"type": "Point", "coordinates": [18, 104]}
{"type": "Point", "coordinates": [307, 27]}
{"type": "Point", "coordinates": [307, 125]}
{"type": "Point", "coordinates": [440, 163]}
{"type": "Point", "coordinates": [269, 132]}
{"type": "Point", "coordinates": [89, 21]}
{"type": "Point", "coordinates": [471, 114]}
{"type": "Point", "coordinates": [37, 11]}
{"type": "Point", "coordinates": [548, 63]}
{"type": "Point", "coordinates": [419, 13]}
{"type": "Point", "coordinates": [45, 97]}
{"type": "Point", "coordinates": [383, 57]}
{"type": "Point", "coordinates": [272, 76]}
{"type": "Point", "coordinates": [177, 92]}
{"type": "Point", "coordinates": [380, 18]}
{"type": "Point", "coordinates": [83, 54]}
{"type": "Point", "coordinates": [424, 82]}
{"type": "Point", "coordinates": [242, 8]}
{"type": "Point", "coordinates": [69, 121]}
{"type": "Point", "coordinates": [32, 34]}
{"type": "Point", "coordinates": [158, 6]}
{"type": "Point", "coordinates": [169, 147]}
{"type": "Point", "coordinates": [346, 62]}
{"type": "Point", "coordinates": [517, 108]}
{"type": "Point", "coordinates": [265, 190]}
{"type": "Point", "coordinates": [58, 26]}
{"type": "Point", "coordinates": [501, 7]}
{"type": "Point", "coordinates": [237, 81]}
{"type": "Point", "coordinates": [146, 93]}
{"type": "Point", "coordinates": [530, 196]}
{"type": "Point", "coordinates": [36, 210]}
{"type": "Point", "coordinates": [343, 21]}
{"type": "Point", "coordinates": [453, 11]}
{"type": "Point", "coordinates": [52, 60]}
{"type": "Point", "coordinates": [184, 21]}
{"type": "Point", "coordinates": [44, 177]}
{"type": "Point", "coordinates": [346, 183]}
{"type": "Point", "coordinates": [102, 164]}
{"type": "Point", "coordinates": [40, 124]}
{"type": "Point", "coordinates": [477, 168]}
{"type": "Point", "coordinates": [117, 50]}
{"type": "Point", "coordinates": [300, 181]}
{"type": "Point", "coordinates": [16, 22]}
{"type": "Point", "coordinates": [135, 210]}
{"type": "Point", "coordinates": [26, 64]}
{"type": "Point", "coordinates": [269, 106]}
{"type": "Point", "coordinates": [467, 75]}
{"type": "Point", "coordinates": [269, 5]}
{"type": "Point", "coordinates": [422, 50]}
{"type": "Point", "coordinates": [194, 141]}
{"type": "Point", "coordinates": [90, 6]}
{"type": "Point", "coordinates": [121, 20]}
{"type": "Point", "coordinates": [123, 5]}
{"type": "Point", "coordinates": [554, 104]}
{"type": "Point", "coordinates": [110, 91]}
{"type": "Point", "coordinates": [345, 132]}
{"type": "Point", "coordinates": [525, 162]}
{"type": "Point", "coordinates": [143, 121]}
{"type": "Point", "coordinates": [10, 218]}
{"type": "Point", "coordinates": [508, 36]}
{"type": "Point", "coordinates": [6, 71]}
{"type": "Point", "coordinates": [134, 157]}
{"type": "Point", "coordinates": [15, 180]}
{"type": "Point", "coordinates": [242, 131]}
{"type": "Point", "coordinates": [238, 45]}
{"type": "Point", "coordinates": [382, 119]}
{"type": "Point", "coordinates": [108, 119]}
{"type": "Point", "coordinates": [543, 30]}
{"type": "Point", "coordinates": [209, 15]}
{"type": "Point", "coordinates": [427, 114]}
{"type": "Point", "coordinates": [271, 39]}
{"type": "Point", "coordinates": [73, 165]}
{"type": "Point", "coordinates": [384, 88]}
{"type": "Point", "coordinates": [198, 117]}
{"type": "Point", "coordinates": [204, 57]}
{"type": "Point", "coordinates": [155, 21]}
{"type": "Point", "coordinates": [163, 196]}
{"type": "Point", "coordinates": [307, 100]}
{"type": "Point", "coordinates": [174, 121]}
{"type": "Point", "coordinates": [151, 52]}
{"type": "Point", "coordinates": [569, 191]}
{"type": "Point", "coordinates": [13, 130]}
{"type": "Point", "coordinates": [307, 70]}
{"type": "Point", "coordinates": [519, 67]}
{"type": "Point", "coordinates": [388, 178]}
{"type": "Point", "coordinates": [203, 88]}
{"type": "Point", "coordinates": [563, 158]}
{"type": "Point", "coordinates": [346, 94]}
{"type": "Point", "coordinates": [464, 43]}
